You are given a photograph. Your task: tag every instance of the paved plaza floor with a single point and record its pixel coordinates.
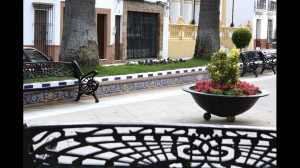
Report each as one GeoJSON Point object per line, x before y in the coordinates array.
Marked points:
{"type": "Point", "coordinates": [164, 105]}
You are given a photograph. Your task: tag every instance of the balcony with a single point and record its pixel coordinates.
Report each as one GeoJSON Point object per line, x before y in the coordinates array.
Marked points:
{"type": "Point", "coordinates": [272, 8]}
{"type": "Point", "coordinates": [260, 7]}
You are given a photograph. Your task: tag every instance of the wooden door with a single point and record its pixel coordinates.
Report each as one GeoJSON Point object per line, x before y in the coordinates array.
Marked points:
{"type": "Point", "coordinates": [142, 35]}
{"type": "Point", "coordinates": [100, 32]}
{"type": "Point", "coordinates": [40, 30]}
{"type": "Point", "coordinates": [117, 38]}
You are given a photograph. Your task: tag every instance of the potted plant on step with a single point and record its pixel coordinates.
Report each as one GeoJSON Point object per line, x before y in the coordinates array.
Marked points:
{"type": "Point", "coordinates": [224, 95]}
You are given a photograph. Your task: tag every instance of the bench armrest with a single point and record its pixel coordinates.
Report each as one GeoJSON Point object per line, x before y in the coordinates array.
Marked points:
{"type": "Point", "coordinates": [88, 77]}
{"type": "Point", "coordinates": [91, 74]}
{"type": "Point", "coordinates": [270, 59]}
{"type": "Point", "coordinates": [252, 59]}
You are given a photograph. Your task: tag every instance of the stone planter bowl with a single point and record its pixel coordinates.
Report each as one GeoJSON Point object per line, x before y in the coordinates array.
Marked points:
{"type": "Point", "coordinates": [223, 105]}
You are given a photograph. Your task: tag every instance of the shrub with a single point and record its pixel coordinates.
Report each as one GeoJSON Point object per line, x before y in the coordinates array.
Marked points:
{"type": "Point", "coordinates": [224, 69]}
{"type": "Point", "coordinates": [224, 73]}
{"type": "Point", "coordinates": [241, 38]}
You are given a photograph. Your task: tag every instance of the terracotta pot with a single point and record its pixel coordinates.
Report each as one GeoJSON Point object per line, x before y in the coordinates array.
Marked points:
{"type": "Point", "coordinates": [223, 105]}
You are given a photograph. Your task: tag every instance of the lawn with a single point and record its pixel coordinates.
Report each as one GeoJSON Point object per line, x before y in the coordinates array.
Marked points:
{"type": "Point", "coordinates": [132, 69]}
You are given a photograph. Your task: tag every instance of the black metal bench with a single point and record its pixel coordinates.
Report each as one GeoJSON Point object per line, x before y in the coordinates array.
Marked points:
{"type": "Point", "coordinates": [86, 82]}
{"type": "Point", "coordinates": [91, 145]}
{"type": "Point", "coordinates": [268, 62]}
{"type": "Point", "coordinates": [254, 59]}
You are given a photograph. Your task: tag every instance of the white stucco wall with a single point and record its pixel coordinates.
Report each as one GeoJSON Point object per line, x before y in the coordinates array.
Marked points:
{"type": "Point", "coordinates": [261, 26]}
{"type": "Point", "coordinates": [243, 11]}
{"type": "Point", "coordinates": [197, 11]}
{"type": "Point", "coordinates": [175, 11]}
{"type": "Point", "coordinates": [188, 11]}
{"type": "Point", "coordinates": [165, 52]}
{"type": "Point", "coordinates": [28, 21]}
{"type": "Point", "coordinates": [116, 7]}
{"type": "Point", "coordinates": [28, 18]}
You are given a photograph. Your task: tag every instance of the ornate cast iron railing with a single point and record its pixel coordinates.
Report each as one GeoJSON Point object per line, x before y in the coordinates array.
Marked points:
{"type": "Point", "coordinates": [49, 69]}
{"type": "Point", "coordinates": [86, 82]}
{"type": "Point", "coordinates": [148, 145]}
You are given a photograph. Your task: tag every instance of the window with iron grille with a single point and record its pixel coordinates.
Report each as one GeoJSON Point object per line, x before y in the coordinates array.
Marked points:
{"type": "Point", "coordinates": [43, 28]}
{"type": "Point", "coordinates": [261, 4]}
{"type": "Point", "coordinates": [272, 6]}
{"type": "Point", "coordinates": [270, 31]}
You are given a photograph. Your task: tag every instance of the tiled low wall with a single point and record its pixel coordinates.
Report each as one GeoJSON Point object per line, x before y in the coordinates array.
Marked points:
{"type": "Point", "coordinates": [115, 85]}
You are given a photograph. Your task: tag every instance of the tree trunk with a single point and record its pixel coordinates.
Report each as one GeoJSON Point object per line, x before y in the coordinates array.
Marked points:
{"type": "Point", "coordinates": [208, 34]}
{"type": "Point", "coordinates": [79, 38]}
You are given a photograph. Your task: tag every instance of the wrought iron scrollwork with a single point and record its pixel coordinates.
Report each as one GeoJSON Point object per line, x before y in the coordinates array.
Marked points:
{"type": "Point", "coordinates": [86, 82]}
{"type": "Point", "coordinates": [47, 69]}
{"type": "Point", "coordinates": [249, 63]}
{"type": "Point", "coordinates": [150, 145]}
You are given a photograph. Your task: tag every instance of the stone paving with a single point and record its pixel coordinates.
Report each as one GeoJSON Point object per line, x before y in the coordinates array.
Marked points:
{"type": "Point", "coordinates": [164, 105]}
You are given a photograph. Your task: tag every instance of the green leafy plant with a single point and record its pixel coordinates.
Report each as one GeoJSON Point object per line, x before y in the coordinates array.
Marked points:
{"type": "Point", "coordinates": [241, 38]}
{"type": "Point", "coordinates": [224, 73]}
{"type": "Point", "coordinates": [224, 69]}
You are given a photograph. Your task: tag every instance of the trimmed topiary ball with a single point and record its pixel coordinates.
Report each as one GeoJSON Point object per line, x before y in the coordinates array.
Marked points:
{"type": "Point", "coordinates": [241, 38]}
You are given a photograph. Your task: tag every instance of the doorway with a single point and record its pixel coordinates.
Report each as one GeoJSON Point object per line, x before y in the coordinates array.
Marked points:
{"type": "Point", "coordinates": [43, 29]}
{"type": "Point", "coordinates": [258, 31]}
{"type": "Point", "coordinates": [100, 31]}
{"type": "Point", "coordinates": [142, 35]}
{"type": "Point", "coordinates": [117, 38]}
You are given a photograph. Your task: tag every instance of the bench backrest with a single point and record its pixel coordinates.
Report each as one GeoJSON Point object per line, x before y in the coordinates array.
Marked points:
{"type": "Point", "coordinates": [148, 145]}
{"type": "Point", "coordinates": [243, 57]}
{"type": "Point", "coordinates": [51, 69]}
{"type": "Point", "coordinates": [248, 57]}
{"type": "Point", "coordinates": [261, 56]}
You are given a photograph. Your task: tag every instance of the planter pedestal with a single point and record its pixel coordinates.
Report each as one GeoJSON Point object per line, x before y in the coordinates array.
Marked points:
{"type": "Point", "coordinates": [223, 105]}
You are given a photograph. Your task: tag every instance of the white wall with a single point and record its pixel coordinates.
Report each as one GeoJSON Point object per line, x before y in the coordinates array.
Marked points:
{"type": "Point", "coordinates": [175, 11]}
{"type": "Point", "coordinates": [188, 8]}
{"type": "Point", "coordinates": [262, 28]}
{"type": "Point", "coordinates": [197, 11]}
{"type": "Point", "coordinates": [115, 7]}
{"type": "Point", "coordinates": [165, 52]}
{"type": "Point", "coordinates": [28, 20]}
{"type": "Point", "coordinates": [243, 11]}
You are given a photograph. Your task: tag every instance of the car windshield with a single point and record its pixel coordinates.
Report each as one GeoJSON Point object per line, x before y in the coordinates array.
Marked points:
{"type": "Point", "coordinates": [35, 56]}
{"type": "Point", "coordinates": [24, 58]}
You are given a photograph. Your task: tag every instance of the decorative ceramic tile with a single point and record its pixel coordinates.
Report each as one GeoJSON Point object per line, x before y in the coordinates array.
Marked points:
{"type": "Point", "coordinates": [36, 97]}
{"type": "Point", "coordinates": [166, 78]}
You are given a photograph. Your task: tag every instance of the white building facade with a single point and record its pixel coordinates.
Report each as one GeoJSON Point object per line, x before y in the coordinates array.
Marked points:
{"type": "Point", "coordinates": [131, 29]}
{"type": "Point", "coordinates": [260, 13]}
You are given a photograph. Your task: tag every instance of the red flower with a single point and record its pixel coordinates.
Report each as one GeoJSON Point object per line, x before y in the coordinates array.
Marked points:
{"type": "Point", "coordinates": [225, 86]}
{"type": "Point", "coordinates": [245, 88]}
{"type": "Point", "coordinates": [251, 92]}
{"type": "Point", "coordinates": [218, 86]}
{"type": "Point", "coordinates": [208, 88]}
